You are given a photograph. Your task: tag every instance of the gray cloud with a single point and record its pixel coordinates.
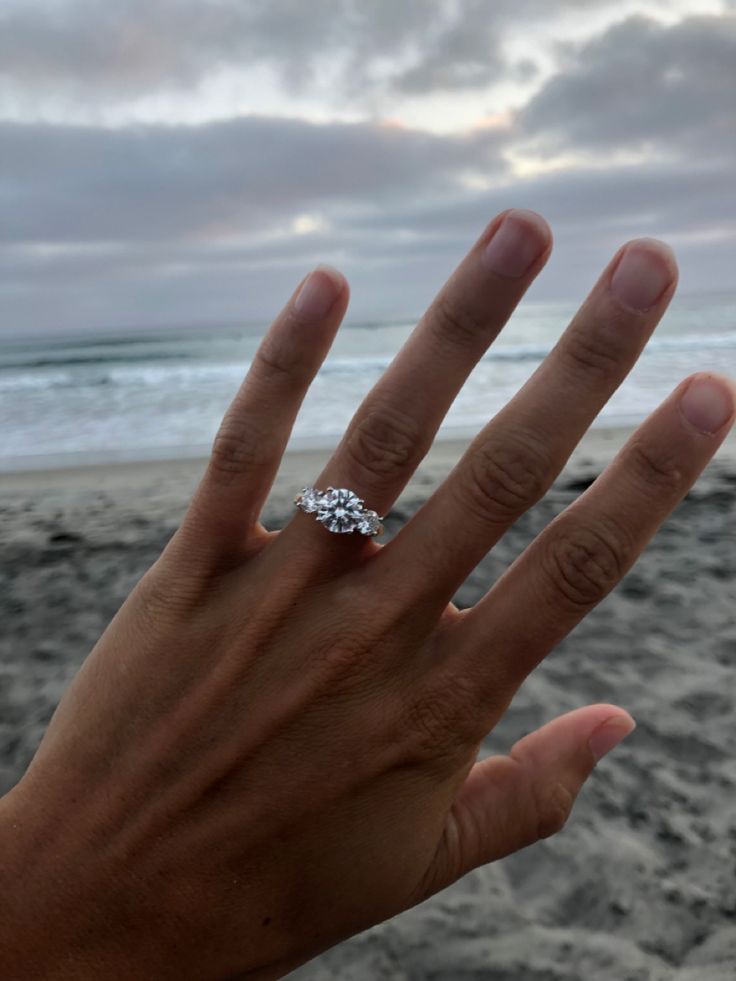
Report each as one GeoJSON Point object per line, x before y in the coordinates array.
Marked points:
{"type": "Point", "coordinates": [94, 51]}
{"type": "Point", "coordinates": [136, 46]}
{"type": "Point", "coordinates": [219, 180]}
{"type": "Point", "coordinates": [396, 247]}
{"type": "Point", "coordinates": [133, 47]}
{"type": "Point", "coordinates": [467, 51]}
{"type": "Point", "coordinates": [644, 86]}
{"type": "Point", "coordinates": [596, 205]}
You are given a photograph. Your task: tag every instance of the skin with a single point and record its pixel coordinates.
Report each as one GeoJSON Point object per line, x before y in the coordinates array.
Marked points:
{"type": "Point", "coordinates": [273, 745]}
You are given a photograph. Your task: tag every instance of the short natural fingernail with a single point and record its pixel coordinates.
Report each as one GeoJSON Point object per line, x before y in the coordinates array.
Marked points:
{"type": "Point", "coordinates": [645, 271]}
{"type": "Point", "coordinates": [708, 403]}
{"type": "Point", "coordinates": [318, 294]}
{"type": "Point", "coordinates": [607, 736]}
{"type": "Point", "coordinates": [517, 243]}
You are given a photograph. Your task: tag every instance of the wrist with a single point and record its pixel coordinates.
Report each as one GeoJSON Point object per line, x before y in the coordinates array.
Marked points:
{"type": "Point", "coordinates": [65, 912]}
{"type": "Point", "coordinates": [26, 932]}
{"type": "Point", "coordinates": [46, 927]}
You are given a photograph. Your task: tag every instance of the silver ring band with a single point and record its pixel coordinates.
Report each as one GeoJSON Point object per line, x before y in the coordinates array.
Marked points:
{"type": "Point", "coordinates": [340, 510]}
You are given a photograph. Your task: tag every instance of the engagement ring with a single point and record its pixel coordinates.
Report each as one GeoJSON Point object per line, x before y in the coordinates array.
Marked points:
{"type": "Point", "coordinates": [339, 510]}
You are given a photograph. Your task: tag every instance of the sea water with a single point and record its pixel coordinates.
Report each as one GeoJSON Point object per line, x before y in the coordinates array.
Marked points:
{"type": "Point", "coordinates": [161, 393]}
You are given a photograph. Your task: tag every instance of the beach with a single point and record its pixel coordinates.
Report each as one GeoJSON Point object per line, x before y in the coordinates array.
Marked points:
{"type": "Point", "coordinates": [639, 886]}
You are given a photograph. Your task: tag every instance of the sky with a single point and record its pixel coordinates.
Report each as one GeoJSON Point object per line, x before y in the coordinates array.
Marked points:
{"type": "Point", "coordinates": [187, 162]}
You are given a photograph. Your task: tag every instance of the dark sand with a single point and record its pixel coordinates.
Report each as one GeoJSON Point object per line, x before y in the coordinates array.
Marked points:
{"type": "Point", "coordinates": [640, 886]}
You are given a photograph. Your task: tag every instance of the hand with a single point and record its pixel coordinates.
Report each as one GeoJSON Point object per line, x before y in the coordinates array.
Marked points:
{"type": "Point", "coordinates": [273, 744]}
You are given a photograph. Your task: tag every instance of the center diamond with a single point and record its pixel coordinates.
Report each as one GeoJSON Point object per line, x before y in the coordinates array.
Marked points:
{"type": "Point", "coordinates": [340, 509]}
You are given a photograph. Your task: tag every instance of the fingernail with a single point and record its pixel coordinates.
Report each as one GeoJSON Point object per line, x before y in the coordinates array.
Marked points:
{"type": "Point", "coordinates": [707, 403]}
{"type": "Point", "coordinates": [517, 243]}
{"type": "Point", "coordinates": [642, 275]}
{"type": "Point", "coordinates": [318, 294]}
{"type": "Point", "coordinates": [607, 736]}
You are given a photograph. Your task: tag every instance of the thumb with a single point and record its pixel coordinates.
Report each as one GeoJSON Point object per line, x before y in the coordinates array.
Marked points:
{"type": "Point", "coordinates": [508, 802]}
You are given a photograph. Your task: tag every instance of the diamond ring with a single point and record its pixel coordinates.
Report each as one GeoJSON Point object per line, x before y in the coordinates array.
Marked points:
{"type": "Point", "coordinates": [339, 510]}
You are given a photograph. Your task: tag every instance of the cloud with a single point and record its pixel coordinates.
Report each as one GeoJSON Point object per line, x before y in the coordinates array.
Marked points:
{"type": "Point", "coordinates": [135, 47]}
{"type": "Point", "coordinates": [468, 51]}
{"type": "Point", "coordinates": [111, 52]}
{"type": "Point", "coordinates": [219, 180]}
{"type": "Point", "coordinates": [643, 86]}
{"type": "Point", "coordinates": [144, 224]}
{"type": "Point", "coordinates": [156, 254]}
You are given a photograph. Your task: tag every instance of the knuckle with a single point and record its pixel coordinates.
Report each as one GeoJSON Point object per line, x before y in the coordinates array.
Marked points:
{"type": "Point", "coordinates": [454, 323]}
{"type": "Point", "coordinates": [655, 467]}
{"type": "Point", "coordinates": [239, 447]}
{"type": "Point", "coordinates": [552, 808]}
{"type": "Point", "coordinates": [589, 352]}
{"type": "Point", "coordinates": [341, 667]}
{"type": "Point", "coordinates": [441, 720]}
{"type": "Point", "coordinates": [385, 441]}
{"type": "Point", "coordinates": [503, 479]}
{"type": "Point", "coordinates": [273, 359]}
{"type": "Point", "coordinates": [338, 659]}
{"type": "Point", "coordinates": [585, 563]}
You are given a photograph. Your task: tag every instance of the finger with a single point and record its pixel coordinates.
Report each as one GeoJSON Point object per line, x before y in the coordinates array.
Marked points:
{"type": "Point", "coordinates": [251, 440]}
{"type": "Point", "coordinates": [509, 802]}
{"type": "Point", "coordinates": [584, 552]}
{"type": "Point", "coordinates": [396, 422]}
{"type": "Point", "coordinates": [515, 458]}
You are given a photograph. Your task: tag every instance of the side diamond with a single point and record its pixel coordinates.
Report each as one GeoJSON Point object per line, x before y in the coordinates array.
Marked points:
{"type": "Point", "coordinates": [309, 499]}
{"type": "Point", "coordinates": [369, 523]}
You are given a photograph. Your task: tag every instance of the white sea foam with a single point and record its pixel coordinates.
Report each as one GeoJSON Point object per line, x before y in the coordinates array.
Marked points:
{"type": "Point", "coordinates": [164, 394]}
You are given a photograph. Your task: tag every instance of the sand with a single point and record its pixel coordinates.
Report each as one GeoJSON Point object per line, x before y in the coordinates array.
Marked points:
{"type": "Point", "coordinates": [641, 883]}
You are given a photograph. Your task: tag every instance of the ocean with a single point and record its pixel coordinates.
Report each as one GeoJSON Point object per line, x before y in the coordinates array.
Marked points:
{"type": "Point", "coordinates": [161, 394]}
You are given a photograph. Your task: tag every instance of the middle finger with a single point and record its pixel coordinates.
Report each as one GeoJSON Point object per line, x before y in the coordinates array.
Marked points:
{"type": "Point", "coordinates": [396, 422]}
{"type": "Point", "coordinates": [512, 462]}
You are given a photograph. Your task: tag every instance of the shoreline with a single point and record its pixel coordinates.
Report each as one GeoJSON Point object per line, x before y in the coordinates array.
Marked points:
{"type": "Point", "coordinates": [73, 459]}
{"type": "Point", "coordinates": [318, 443]}
{"type": "Point", "coordinates": [301, 461]}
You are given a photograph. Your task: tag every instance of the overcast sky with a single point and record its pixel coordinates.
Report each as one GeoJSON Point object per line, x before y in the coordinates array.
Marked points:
{"type": "Point", "coordinates": [169, 162]}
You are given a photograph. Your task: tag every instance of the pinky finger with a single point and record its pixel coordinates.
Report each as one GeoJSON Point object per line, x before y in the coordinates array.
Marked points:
{"type": "Point", "coordinates": [250, 443]}
{"type": "Point", "coordinates": [588, 548]}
